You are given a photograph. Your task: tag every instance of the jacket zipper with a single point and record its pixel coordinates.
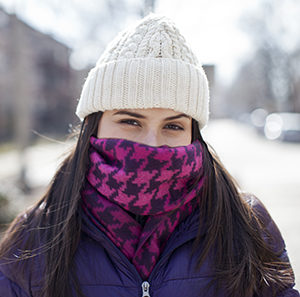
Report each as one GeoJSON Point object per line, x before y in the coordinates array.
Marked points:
{"type": "Point", "coordinates": [146, 284]}
{"type": "Point", "coordinates": [145, 289]}
{"type": "Point", "coordinates": [167, 252]}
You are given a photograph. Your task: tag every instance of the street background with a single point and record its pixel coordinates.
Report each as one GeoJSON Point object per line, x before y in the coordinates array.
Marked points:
{"type": "Point", "coordinates": [250, 51]}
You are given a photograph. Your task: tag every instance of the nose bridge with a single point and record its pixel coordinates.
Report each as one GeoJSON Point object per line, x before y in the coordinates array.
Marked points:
{"type": "Point", "coordinates": [152, 137]}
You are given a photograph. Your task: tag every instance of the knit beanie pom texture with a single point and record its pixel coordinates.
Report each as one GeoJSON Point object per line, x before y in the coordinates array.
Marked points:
{"type": "Point", "coordinates": [148, 65]}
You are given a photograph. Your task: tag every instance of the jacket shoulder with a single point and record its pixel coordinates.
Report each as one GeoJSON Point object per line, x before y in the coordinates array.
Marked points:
{"type": "Point", "coordinates": [8, 288]}
{"type": "Point", "coordinates": [21, 273]}
{"type": "Point", "coordinates": [269, 229]}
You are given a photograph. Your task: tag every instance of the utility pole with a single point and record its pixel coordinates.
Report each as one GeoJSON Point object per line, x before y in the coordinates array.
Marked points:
{"type": "Point", "coordinates": [21, 96]}
{"type": "Point", "coordinates": [149, 6]}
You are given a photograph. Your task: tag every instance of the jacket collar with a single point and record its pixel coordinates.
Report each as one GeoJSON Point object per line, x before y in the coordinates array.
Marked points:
{"type": "Point", "coordinates": [185, 231]}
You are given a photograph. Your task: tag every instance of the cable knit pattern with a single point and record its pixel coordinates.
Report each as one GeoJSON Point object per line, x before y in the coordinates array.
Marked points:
{"type": "Point", "coordinates": [146, 66]}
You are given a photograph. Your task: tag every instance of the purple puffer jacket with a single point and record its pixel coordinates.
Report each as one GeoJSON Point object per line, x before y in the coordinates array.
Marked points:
{"type": "Point", "coordinates": [104, 271]}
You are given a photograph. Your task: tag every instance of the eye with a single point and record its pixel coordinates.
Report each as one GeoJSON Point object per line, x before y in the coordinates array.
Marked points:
{"type": "Point", "coordinates": [173, 127]}
{"type": "Point", "coordinates": [130, 122]}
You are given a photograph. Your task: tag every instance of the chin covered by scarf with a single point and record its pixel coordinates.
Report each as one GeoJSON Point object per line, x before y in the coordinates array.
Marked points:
{"type": "Point", "coordinates": [127, 178]}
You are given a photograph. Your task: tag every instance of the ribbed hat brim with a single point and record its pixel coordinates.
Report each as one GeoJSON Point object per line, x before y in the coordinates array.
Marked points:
{"type": "Point", "coordinates": [146, 83]}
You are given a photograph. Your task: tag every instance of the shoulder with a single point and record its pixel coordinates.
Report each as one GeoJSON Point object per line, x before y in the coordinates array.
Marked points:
{"type": "Point", "coordinates": [8, 288]}
{"type": "Point", "coordinates": [19, 268]}
{"type": "Point", "coordinates": [272, 236]}
{"type": "Point", "coordinates": [268, 227]}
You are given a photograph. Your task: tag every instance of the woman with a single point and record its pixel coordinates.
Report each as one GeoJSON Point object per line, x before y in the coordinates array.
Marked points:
{"type": "Point", "coordinates": [142, 206]}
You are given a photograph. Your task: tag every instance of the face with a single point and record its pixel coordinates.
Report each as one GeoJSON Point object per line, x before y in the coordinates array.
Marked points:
{"type": "Point", "coordinates": [153, 126]}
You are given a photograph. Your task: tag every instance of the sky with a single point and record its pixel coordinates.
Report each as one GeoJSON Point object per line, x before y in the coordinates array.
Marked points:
{"type": "Point", "coordinates": [211, 27]}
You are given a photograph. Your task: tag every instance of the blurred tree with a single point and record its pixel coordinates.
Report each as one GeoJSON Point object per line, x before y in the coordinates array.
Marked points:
{"type": "Point", "coordinates": [97, 22]}
{"type": "Point", "coordinates": [269, 76]}
{"type": "Point", "coordinates": [86, 26]}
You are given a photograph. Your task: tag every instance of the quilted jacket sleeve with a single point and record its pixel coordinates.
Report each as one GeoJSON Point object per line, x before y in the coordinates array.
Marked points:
{"type": "Point", "coordinates": [274, 238]}
{"type": "Point", "coordinates": [9, 288]}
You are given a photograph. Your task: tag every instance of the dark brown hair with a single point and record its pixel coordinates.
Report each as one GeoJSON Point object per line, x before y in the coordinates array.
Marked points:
{"type": "Point", "coordinates": [52, 228]}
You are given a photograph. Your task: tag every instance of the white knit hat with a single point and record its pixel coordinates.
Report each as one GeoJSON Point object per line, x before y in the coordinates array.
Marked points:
{"type": "Point", "coordinates": [147, 66]}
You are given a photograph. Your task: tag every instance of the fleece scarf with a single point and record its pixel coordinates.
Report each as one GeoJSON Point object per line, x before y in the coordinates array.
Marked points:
{"type": "Point", "coordinates": [127, 178]}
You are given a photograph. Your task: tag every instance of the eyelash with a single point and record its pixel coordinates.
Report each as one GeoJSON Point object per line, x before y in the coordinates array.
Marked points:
{"type": "Point", "coordinates": [130, 122]}
{"type": "Point", "coordinates": [175, 127]}
{"type": "Point", "coordinates": [136, 123]}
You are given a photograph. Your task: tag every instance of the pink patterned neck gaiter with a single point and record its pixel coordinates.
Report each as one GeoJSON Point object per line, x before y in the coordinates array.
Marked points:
{"type": "Point", "coordinates": [125, 177]}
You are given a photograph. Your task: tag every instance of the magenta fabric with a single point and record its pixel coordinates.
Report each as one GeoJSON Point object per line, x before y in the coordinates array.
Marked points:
{"type": "Point", "coordinates": [125, 177]}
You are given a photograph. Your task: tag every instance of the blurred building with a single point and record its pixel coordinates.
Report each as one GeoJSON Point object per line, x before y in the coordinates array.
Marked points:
{"type": "Point", "coordinates": [37, 85]}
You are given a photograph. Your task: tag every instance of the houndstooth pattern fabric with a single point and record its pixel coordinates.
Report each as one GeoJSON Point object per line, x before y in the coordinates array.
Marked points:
{"type": "Point", "coordinates": [125, 177]}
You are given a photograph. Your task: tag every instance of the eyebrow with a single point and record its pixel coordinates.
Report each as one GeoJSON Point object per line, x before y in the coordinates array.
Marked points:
{"type": "Point", "coordinates": [177, 116]}
{"type": "Point", "coordinates": [132, 114]}
{"type": "Point", "coordinates": [140, 116]}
